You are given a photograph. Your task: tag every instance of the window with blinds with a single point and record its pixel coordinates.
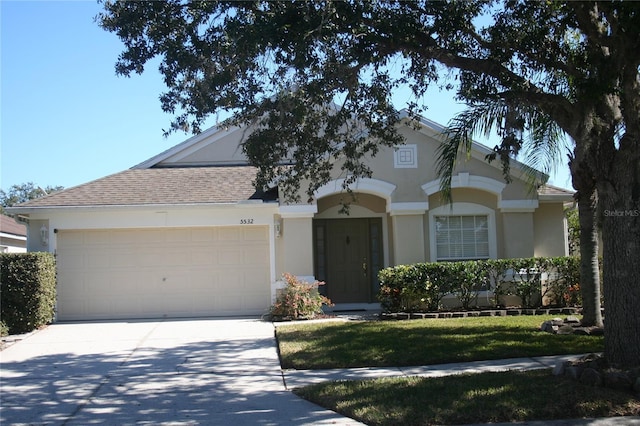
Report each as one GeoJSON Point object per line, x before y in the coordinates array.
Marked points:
{"type": "Point", "coordinates": [462, 237]}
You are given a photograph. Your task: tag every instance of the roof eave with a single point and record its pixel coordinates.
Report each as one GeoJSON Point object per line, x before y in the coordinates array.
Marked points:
{"type": "Point", "coordinates": [555, 198]}
{"type": "Point", "coordinates": [220, 205]}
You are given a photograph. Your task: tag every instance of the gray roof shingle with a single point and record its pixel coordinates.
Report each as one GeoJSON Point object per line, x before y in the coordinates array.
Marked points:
{"type": "Point", "coordinates": [158, 186]}
{"type": "Point", "coordinates": [9, 226]}
{"type": "Point", "coordinates": [554, 191]}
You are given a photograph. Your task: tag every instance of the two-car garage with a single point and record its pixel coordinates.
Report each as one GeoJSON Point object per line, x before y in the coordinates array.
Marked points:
{"type": "Point", "coordinates": [163, 272]}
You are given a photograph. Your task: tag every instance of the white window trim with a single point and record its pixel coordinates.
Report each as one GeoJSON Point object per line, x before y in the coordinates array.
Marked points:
{"type": "Point", "coordinates": [412, 150]}
{"type": "Point", "coordinates": [463, 209]}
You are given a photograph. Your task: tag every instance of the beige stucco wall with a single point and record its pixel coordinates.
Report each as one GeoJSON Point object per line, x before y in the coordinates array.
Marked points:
{"type": "Point", "coordinates": [214, 146]}
{"type": "Point", "coordinates": [550, 226]}
{"type": "Point", "coordinates": [518, 233]}
{"type": "Point", "coordinates": [296, 244]}
{"type": "Point", "coordinates": [328, 206]}
{"type": "Point", "coordinates": [408, 239]}
{"type": "Point", "coordinates": [466, 195]}
{"type": "Point", "coordinates": [34, 240]}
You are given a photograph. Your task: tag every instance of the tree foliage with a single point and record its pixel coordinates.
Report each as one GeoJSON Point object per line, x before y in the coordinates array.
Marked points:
{"type": "Point", "coordinates": [24, 192]}
{"type": "Point", "coordinates": [313, 80]}
{"type": "Point", "coordinates": [573, 229]}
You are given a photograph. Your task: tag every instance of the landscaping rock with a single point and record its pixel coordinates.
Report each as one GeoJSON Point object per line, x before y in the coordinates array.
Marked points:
{"type": "Point", "coordinates": [617, 380]}
{"type": "Point", "coordinates": [559, 369]}
{"type": "Point", "coordinates": [565, 329]}
{"type": "Point", "coordinates": [572, 319]}
{"type": "Point", "coordinates": [591, 377]}
{"type": "Point", "coordinates": [594, 370]}
{"type": "Point", "coordinates": [548, 327]}
{"type": "Point", "coordinates": [573, 371]}
{"type": "Point", "coordinates": [569, 325]}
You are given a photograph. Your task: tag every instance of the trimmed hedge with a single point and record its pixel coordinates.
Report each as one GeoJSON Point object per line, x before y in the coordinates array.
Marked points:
{"type": "Point", "coordinates": [421, 287]}
{"type": "Point", "coordinates": [27, 290]}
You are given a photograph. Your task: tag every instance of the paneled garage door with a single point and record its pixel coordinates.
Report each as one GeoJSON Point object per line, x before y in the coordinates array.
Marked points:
{"type": "Point", "coordinates": [155, 273]}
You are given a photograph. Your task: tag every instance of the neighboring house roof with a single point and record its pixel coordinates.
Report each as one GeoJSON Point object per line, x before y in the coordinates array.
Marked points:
{"type": "Point", "coordinates": [166, 186]}
{"type": "Point", "coordinates": [9, 226]}
{"type": "Point", "coordinates": [553, 193]}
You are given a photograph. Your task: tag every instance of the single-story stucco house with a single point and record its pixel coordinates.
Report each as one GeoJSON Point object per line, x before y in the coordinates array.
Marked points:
{"type": "Point", "coordinates": [185, 233]}
{"type": "Point", "coordinates": [13, 236]}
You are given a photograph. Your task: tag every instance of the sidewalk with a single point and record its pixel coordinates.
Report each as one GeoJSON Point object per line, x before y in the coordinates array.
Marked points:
{"type": "Point", "coordinates": [299, 378]}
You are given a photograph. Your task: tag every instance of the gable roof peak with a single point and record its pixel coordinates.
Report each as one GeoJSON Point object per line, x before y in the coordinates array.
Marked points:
{"type": "Point", "coordinates": [194, 142]}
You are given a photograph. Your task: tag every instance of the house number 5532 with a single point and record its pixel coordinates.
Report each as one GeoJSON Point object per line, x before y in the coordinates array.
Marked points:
{"type": "Point", "coordinates": [246, 221]}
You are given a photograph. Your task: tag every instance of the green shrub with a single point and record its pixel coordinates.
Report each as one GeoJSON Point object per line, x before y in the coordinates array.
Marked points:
{"type": "Point", "coordinates": [4, 330]}
{"type": "Point", "coordinates": [468, 279]}
{"type": "Point", "coordinates": [563, 283]}
{"type": "Point", "coordinates": [27, 290]}
{"type": "Point", "coordinates": [416, 287]}
{"type": "Point", "coordinates": [527, 280]}
{"type": "Point", "coordinates": [298, 300]}
{"type": "Point", "coordinates": [422, 286]}
{"type": "Point", "coordinates": [497, 271]}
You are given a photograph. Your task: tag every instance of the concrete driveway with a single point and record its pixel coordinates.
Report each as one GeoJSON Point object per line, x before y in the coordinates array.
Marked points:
{"type": "Point", "coordinates": [178, 372]}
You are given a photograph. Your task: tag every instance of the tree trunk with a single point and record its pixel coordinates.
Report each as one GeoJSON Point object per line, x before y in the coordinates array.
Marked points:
{"type": "Point", "coordinates": [619, 201]}
{"type": "Point", "coordinates": [586, 196]}
{"type": "Point", "coordinates": [589, 270]}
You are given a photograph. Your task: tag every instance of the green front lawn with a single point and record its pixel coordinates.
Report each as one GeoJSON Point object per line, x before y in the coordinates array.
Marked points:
{"type": "Point", "coordinates": [464, 399]}
{"type": "Point", "coordinates": [422, 342]}
{"type": "Point", "coordinates": [459, 399]}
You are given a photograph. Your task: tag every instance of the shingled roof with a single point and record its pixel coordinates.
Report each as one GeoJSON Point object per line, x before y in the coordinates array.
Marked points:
{"type": "Point", "coordinates": [550, 192]}
{"type": "Point", "coordinates": [9, 226]}
{"type": "Point", "coordinates": [158, 186]}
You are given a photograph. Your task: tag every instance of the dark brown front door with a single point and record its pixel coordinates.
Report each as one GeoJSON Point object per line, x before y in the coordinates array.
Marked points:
{"type": "Point", "coordinates": [348, 258]}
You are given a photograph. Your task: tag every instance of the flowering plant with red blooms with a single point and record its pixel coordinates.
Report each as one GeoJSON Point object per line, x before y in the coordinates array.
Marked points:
{"type": "Point", "coordinates": [299, 299]}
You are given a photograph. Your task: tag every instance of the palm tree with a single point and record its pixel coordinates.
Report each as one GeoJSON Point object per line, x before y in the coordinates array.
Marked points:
{"type": "Point", "coordinates": [525, 129]}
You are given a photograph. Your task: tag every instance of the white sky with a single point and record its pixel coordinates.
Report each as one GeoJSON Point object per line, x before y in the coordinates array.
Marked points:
{"type": "Point", "coordinates": [67, 119]}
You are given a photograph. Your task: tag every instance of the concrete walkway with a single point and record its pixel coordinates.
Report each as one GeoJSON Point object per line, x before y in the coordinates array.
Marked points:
{"type": "Point", "coordinates": [300, 378]}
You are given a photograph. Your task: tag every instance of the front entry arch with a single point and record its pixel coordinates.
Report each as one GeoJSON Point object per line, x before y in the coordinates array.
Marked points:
{"type": "Point", "coordinates": [348, 254]}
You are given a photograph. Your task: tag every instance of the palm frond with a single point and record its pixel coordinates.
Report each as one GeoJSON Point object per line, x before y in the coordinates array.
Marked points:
{"type": "Point", "coordinates": [458, 138]}
{"type": "Point", "coordinates": [523, 129]}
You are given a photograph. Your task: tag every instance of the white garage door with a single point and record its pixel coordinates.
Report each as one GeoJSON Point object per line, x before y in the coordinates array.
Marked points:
{"type": "Point", "coordinates": [154, 273]}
